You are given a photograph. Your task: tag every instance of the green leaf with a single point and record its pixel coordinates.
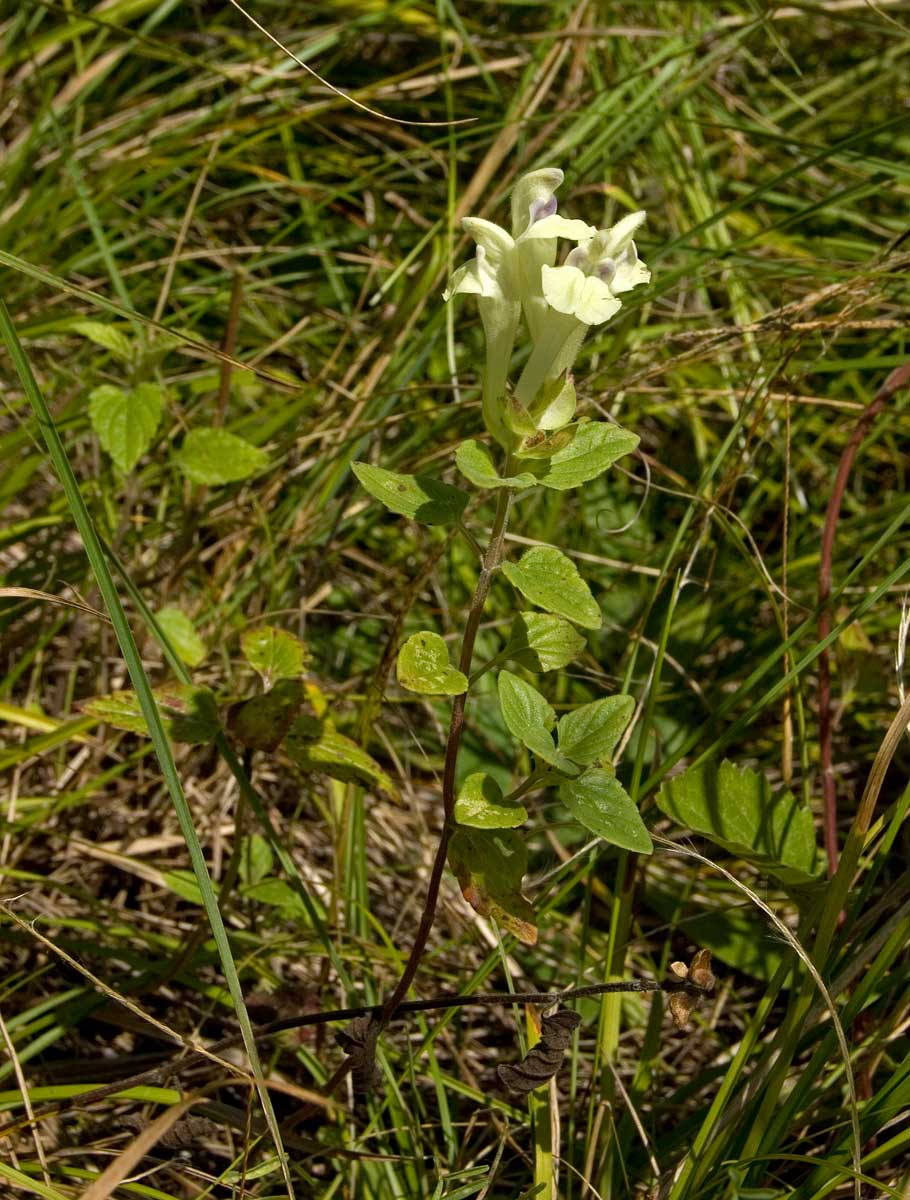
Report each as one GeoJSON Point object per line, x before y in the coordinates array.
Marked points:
{"type": "Point", "coordinates": [590, 733]}
{"type": "Point", "coordinates": [489, 866]}
{"type": "Point", "coordinates": [523, 707]}
{"type": "Point", "coordinates": [256, 859]}
{"type": "Point", "coordinates": [181, 633]}
{"type": "Point", "coordinates": [107, 336]}
{"type": "Point", "coordinates": [214, 456]}
{"type": "Point", "coordinates": [125, 422]}
{"type": "Point", "coordinates": [314, 746]}
{"type": "Point", "coordinates": [189, 714]}
{"type": "Point", "coordinates": [418, 496]}
{"type": "Point", "coordinates": [475, 462]}
{"type": "Point", "coordinates": [530, 717]}
{"type": "Point", "coordinates": [542, 642]}
{"type": "Point", "coordinates": [548, 579]}
{"type": "Point", "coordinates": [480, 804]}
{"type": "Point", "coordinates": [736, 809]}
{"type": "Point", "coordinates": [423, 666]}
{"type": "Point", "coordinates": [262, 722]}
{"type": "Point", "coordinates": [274, 653]}
{"type": "Point", "coordinates": [277, 893]}
{"type": "Point", "coordinates": [596, 446]}
{"type": "Point", "coordinates": [598, 801]}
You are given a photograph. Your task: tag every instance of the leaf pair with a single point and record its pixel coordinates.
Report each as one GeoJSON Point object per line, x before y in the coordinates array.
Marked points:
{"type": "Point", "coordinates": [586, 736]}
{"type": "Point", "coordinates": [595, 446]}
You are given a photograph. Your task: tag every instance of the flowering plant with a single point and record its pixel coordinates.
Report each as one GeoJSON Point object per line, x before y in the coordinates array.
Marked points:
{"type": "Point", "coordinates": [515, 275]}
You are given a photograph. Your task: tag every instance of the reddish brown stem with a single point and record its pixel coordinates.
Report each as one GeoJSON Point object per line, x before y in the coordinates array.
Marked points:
{"type": "Point", "coordinates": [897, 379]}
{"type": "Point", "coordinates": [456, 725]}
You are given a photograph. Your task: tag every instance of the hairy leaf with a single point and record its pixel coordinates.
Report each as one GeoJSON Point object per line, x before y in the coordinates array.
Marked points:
{"type": "Point", "coordinates": [595, 447]}
{"type": "Point", "coordinates": [530, 718]}
{"type": "Point", "coordinates": [181, 632]}
{"type": "Point", "coordinates": [125, 421]}
{"type": "Point", "coordinates": [543, 642]}
{"type": "Point", "coordinates": [313, 746]}
{"type": "Point", "coordinates": [190, 714]}
{"type": "Point", "coordinates": [262, 722]}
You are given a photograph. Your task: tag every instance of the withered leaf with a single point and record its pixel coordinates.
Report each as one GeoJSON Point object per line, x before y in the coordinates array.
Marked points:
{"type": "Point", "coordinates": [359, 1042]}
{"type": "Point", "coordinates": [542, 1061]}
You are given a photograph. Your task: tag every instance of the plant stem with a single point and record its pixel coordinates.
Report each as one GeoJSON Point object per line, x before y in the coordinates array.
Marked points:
{"type": "Point", "coordinates": [491, 561]}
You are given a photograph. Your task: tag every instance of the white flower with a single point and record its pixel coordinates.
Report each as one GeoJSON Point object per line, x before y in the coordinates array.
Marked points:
{"type": "Point", "coordinates": [596, 272]}
{"type": "Point", "coordinates": [505, 275]}
{"type": "Point", "coordinates": [514, 272]}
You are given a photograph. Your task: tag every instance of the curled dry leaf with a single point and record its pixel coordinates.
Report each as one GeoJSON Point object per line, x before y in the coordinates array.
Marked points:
{"type": "Point", "coordinates": [359, 1042]}
{"type": "Point", "coordinates": [542, 1062]}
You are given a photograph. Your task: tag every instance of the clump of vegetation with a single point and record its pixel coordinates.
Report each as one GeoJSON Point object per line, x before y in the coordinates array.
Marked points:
{"type": "Point", "coordinates": [512, 686]}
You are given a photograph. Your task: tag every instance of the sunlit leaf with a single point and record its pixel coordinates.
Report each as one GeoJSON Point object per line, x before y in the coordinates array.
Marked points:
{"type": "Point", "coordinates": [423, 666]}
{"type": "Point", "coordinates": [274, 653]}
{"type": "Point", "coordinates": [181, 633]}
{"type": "Point", "coordinates": [214, 456]}
{"type": "Point", "coordinates": [546, 577]}
{"type": "Point", "coordinates": [480, 804]}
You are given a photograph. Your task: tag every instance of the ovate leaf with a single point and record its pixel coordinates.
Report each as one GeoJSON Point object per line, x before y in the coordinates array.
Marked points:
{"type": "Point", "coordinates": [314, 746]}
{"type": "Point", "coordinates": [598, 801]}
{"type": "Point", "coordinates": [596, 446]}
{"type": "Point", "coordinates": [214, 456]}
{"type": "Point", "coordinates": [190, 714]}
{"type": "Point", "coordinates": [274, 653]}
{"type": "Point", "coordinates": [523, 707]}
{"type": "Point", "coordinates": [125, 422]}
{"type": "Point", "coordinates": [530, 718]}
{"type": "Point", "coordinates": [181, 633]}
{"type": "Point", "coordinates": [489, 866]}
{"type": "Point", "coordinates": [542, 642]}
{"type": "Point", "coordinates": [551, 581]}
{"type": "Point", "coordinates": [475, 462]}
{"type": "Point", "coordinates": [736, 808]}
{"type": "Point", "coordinates": [480, 804]}
{"type": "Point", "coordinates": [417, 496]}
{"type": "Point", "coordinates": [262, 722]}
{"type": "Point", "coordinates": [590, 733]}
{"type": "Point", "coordinates": [423, 666]}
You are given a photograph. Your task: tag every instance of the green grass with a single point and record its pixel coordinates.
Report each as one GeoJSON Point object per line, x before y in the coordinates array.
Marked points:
{"type": "Point", "coordinates": [158, 158]}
